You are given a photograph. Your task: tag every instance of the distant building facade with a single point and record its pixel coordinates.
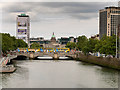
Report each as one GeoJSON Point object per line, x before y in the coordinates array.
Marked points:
{"type": "Point", "coordinates": [65, 40]}
{"type": "Point", "coordinates": [53, 43]}
{"type": "Point", "coordinates": [95, 36]}
{"type": "Point", "coordinates": [23, 27]}
{"type": "Point", "coordinates": [71, 39]}
{"type": "Point", "coordinates": [39, 40]}
{"type": "Point", "coordinates": [109, 21]}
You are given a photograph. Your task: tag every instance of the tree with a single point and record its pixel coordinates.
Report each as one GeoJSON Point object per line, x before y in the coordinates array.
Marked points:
{"type": "Point", "coordinates": [35, 45]}
{"type": "Point", "coordinates": [107, 45]}
{"type": "Point", "coordinates": [11, 43]}
{"type": "Point", "coordinates": [91, 44]}
{"type": "Point", "coordinates": [7, 43]}
{"type": "Point", "coordinates": [82, 41]}
{"type": "Point", "coordinates": [71, 45]}
{"type": "Point", "coordinates": [85, 50]}
{"type": "Point", "coordinates": [20, 43]}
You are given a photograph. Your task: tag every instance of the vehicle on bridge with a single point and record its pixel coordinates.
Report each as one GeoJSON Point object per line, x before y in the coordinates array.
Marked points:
{"type": "Point", "coordinates": [24, 50]}
{"type": "Point", "coordinates": [62, 50]}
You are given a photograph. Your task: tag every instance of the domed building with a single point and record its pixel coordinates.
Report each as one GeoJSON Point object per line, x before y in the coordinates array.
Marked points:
{"type": "Point", "coordinates": [53, 43]}
{"type": "Point", "coordinates": [53, 39]}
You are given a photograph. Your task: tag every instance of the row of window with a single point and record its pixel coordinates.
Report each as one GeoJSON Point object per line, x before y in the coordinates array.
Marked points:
{"type": "Point", "coordinates": [114, 11]}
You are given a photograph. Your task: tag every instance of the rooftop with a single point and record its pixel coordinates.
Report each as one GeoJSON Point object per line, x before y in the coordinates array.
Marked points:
{"type": "Point", "coordinates": [112, 7]}
{"type": "Point", "coordinates": [23, 15]}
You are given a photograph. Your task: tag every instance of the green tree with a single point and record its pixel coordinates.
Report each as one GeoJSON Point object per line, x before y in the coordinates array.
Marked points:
{"type": "Point", "coordinates": [91, 44]}
{"type": "Point", "coordinates": [19, 43]}
{"type": "Point", "coordinates": [35, 45]}
{"type": "Point", "coordinates": [7, 43]}
{"type": "Point", "coordinates": [11, 43]}
{"type": "Point", "coordinates": [71, 45]}
{"type": "Point", "coordinates": [107, 45]}
{"type": "Point", "coordinates": [82, 41]}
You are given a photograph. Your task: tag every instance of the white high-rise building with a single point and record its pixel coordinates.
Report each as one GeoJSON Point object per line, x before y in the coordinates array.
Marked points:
{"type": "Point", "coordinates": [23, 28]}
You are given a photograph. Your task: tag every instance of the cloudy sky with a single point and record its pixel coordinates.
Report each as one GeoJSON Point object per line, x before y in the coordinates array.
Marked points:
{"type": "Point", "coordinates": [63, 18]}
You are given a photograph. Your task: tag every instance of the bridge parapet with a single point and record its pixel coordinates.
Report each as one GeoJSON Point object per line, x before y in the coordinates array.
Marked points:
{"type": "Point", "coordinates": [54, 55]}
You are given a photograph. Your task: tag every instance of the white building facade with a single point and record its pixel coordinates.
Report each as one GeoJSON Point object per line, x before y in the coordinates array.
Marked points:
{"type": "Point", "coordinates": [23, 28]}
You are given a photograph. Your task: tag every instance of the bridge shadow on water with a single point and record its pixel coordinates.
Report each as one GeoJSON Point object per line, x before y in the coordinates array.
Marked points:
{"type": "Point", "coordinates": [21, 57]}
{"type": "Point", "coordinates": [44, 57]}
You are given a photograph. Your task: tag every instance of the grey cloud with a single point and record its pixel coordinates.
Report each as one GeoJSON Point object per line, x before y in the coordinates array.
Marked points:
{"type": "Point", "coordinates": [84, 16]}
{"type": "Point", "coordinates": [40, 11]}
{"type": "Point", "coordinates": [67, 14]}
{"type": "Point", "coordinates": [17, 7]}
{"type": "Point", "coordinates": [78, 6]}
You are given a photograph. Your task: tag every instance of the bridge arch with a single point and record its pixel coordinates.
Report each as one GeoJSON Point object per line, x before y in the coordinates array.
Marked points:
{"type": "Point", "coordinates": [69, 57]}
{"type": "Point", "coordinates": [21, 57]}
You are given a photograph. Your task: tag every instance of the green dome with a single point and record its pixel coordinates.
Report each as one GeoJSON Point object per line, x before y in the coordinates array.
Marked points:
{"type": "Point", "coordinates": [23, 14]}
{"type": "Point", "coordinates": [53, 35]}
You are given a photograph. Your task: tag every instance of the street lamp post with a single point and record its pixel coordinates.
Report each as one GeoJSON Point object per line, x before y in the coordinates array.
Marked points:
{"type": "Point", "coordinates": [116, 42]}
{"type": "Point", "coordinates": [119, 41]}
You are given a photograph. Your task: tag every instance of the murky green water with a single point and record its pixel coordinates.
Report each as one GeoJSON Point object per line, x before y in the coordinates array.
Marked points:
{"type": "Point", "coordinates": [59, 74]}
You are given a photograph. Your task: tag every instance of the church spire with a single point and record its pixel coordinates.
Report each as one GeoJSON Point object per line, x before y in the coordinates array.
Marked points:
{"type": "Point", "coordinates": [53, 39]}
{"type": "Point", "coordinates": [53, 35]}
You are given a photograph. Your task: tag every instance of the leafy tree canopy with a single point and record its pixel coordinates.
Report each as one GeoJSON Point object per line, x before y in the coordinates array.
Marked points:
{"type": "Point", "coordinates": [11, 43]}
{"type": "Point", "coordinates": [35, 45]}
{"type": "Point", "coordinates": [71, 45]}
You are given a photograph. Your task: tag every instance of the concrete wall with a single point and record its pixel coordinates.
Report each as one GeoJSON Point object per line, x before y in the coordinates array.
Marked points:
{"type": "Point", "coordinates": [107, 62]}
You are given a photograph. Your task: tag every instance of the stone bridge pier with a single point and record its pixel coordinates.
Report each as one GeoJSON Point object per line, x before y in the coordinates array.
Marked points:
{"type": "Point", "coordinates": [55, 56]}
{"type": "Point", "coordinates": [31, 56]}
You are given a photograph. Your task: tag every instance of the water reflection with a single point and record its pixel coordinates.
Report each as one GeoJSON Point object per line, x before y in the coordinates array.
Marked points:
{"type": "Point", "coordinates": [60, 74]}
{"type": "Point", "coordinates": [15, 79]}
{"type": "Point", "coordinates": [112, 76]}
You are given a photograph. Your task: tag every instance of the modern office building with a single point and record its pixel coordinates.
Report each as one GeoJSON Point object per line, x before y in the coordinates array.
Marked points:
{"type": "Point", "coordinates": [109, 21]}
{"type": "Point", "coordinates": [23, 27]}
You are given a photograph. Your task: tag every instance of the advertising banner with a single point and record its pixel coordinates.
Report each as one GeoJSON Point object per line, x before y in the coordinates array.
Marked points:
{"type": "Point", "coordinates": [22, 31]}
{"type": "Point", "coordinates": [22, 22]}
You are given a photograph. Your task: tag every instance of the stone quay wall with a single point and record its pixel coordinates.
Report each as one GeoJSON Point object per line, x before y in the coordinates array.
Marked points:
{"type": "Point", "coordinates": [102, 61]}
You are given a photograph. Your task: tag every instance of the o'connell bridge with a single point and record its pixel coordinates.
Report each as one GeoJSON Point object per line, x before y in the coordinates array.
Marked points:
{"type": "Point", "coordinates": [45, 55]}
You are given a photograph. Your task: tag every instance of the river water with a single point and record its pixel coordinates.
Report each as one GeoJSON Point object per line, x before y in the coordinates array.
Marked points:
{"type": "Point", "coordinates": [59, 74]}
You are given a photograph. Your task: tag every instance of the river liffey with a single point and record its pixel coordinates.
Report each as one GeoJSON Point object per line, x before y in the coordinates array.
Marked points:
{"type": "Point", "coordinates": [59, 74]}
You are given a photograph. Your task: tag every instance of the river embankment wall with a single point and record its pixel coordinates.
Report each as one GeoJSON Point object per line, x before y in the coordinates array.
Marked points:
{"type": "Point", "coordinates": [102, 61]}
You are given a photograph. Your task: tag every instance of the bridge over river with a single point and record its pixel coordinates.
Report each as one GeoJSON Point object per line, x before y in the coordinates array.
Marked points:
{"type": "Point", "coordinates": [58, 73]}
{"type": "Point", "coordinates": [37, 55]}
{"type": "Point", "coordinates": [53, 55]}
{"type": "Point", "coordinates": [5, 61]}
